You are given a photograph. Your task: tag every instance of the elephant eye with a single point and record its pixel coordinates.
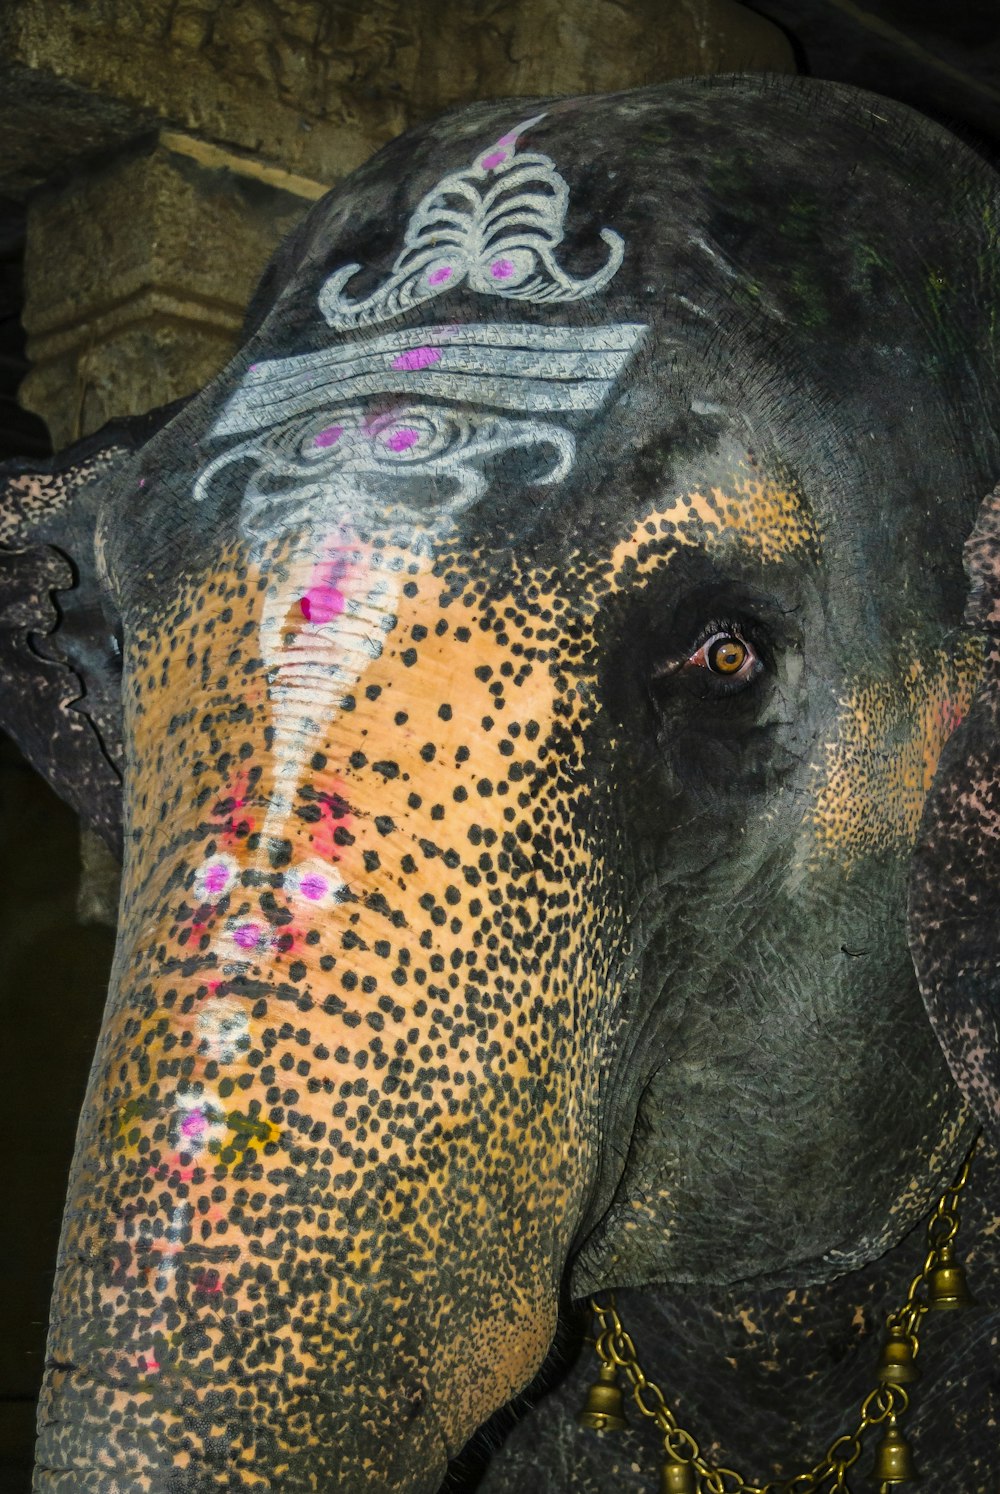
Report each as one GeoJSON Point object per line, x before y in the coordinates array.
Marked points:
{"type": "Point", "coordinates": [727, 655]}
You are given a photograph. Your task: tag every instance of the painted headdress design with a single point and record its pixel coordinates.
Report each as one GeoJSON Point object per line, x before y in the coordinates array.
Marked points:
{"type": "Point", "coordinates": [411, 420]}
{"type": "Point", "coordinates": [494, 226]}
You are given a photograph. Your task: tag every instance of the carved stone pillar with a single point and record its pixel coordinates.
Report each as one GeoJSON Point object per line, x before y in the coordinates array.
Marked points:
{"type": "Point", "coordinates": [179, 238]}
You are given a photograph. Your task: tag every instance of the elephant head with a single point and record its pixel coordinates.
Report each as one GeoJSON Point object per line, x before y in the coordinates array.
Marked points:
{"type": "Point", "coordinates": [536, 651]}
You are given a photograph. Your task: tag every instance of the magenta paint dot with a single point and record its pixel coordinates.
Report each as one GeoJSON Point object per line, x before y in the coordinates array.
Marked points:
{"type": "Point", "coordinates": [509, 139]}
{"type": "Point", "coordinates": [495, 158]}
{"type": "Point", "coordinates": [216, 878]}
{"type": "Point", "coordinates": [321, 603]}
{"type": "Point", "coordinates": [313, 886]}
{"type": "Point", "coordinates": [329, 436]}
{"type": "Point", "coordinates": [440, 275]}
{"type": "Point", "coordinates": [142, 482]}
{"type": "Point", "coordinates": [402, 439]}
{"type": "Point", "coordinates": [417, 358]}
{"type": "Point", "coordinates": [193, 1124]}
{"type": "Point", "coordinates": [324, 599]}
{"type": "Point", "coordinates": [502, 269]}
{"type": "Point", "coordinates": [246, 935]}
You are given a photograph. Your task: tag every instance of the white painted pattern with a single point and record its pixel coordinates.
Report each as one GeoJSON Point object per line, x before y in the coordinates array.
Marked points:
{"type": "Point", "coordinates": [494, 226]}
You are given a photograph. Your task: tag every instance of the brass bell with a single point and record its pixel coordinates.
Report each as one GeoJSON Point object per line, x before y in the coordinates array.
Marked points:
{"type": "Point", "coordinates": [604, 1410]}
{"type": "Point", "coordinates": [677, 1478]}
{"type": "Point", "coordinates": [894, 1458]}
{"type": "Point", "coordinates": [946, 1286]}
{"type": "Point", "coordinates": [896, 1365]}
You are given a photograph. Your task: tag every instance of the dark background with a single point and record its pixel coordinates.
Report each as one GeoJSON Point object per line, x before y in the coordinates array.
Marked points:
{"type": "Point", "coordinates": [941, 58]}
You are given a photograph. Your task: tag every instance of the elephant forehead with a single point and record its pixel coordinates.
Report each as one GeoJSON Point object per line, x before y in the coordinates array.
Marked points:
{"type": "Point", "coordinates": [762, 515]}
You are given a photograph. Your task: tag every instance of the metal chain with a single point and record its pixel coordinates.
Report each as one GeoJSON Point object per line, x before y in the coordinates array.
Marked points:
{"type": "Point", "coordinates": [614, 1347]}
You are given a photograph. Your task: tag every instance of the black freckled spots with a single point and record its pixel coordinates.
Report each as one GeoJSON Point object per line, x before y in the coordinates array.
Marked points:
{"type": "Point", "coordinates": [279, 853]}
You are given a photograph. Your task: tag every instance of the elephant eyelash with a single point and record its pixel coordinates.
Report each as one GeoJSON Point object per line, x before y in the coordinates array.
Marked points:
{"type": "Point", "coordinates": [684, 664]}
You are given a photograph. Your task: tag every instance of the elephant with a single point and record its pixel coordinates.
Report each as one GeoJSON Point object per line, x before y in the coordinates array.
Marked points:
{"type": "Point", "coordinates": [552, 742]}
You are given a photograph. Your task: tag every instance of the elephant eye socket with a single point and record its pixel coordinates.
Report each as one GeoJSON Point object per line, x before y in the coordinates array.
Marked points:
{"type": "Point", "coordinates": [726, 654]}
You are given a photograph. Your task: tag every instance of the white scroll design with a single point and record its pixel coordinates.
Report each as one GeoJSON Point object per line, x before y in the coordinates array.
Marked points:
{"type": "Point", "coordinates": [494, 226]}
{"type": "Point", "coordinates": [414, 460]}
{"type": "Point", "coordinates": [407, 425]}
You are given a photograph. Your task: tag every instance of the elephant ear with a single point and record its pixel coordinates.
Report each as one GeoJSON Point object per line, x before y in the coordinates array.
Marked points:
{"type": "Point", "coordinates": [60, 669]}
{"type": "Point", "coordinates": [954, 901]}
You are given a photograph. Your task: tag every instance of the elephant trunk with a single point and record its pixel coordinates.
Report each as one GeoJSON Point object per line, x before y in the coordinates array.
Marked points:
{"type": "Point", "coordinates": [263, 1298]}
{"type": "Point", "coordinates": [333, 1150]}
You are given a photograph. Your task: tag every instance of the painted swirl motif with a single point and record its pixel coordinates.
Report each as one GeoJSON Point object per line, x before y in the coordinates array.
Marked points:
{"type": "Point", "coordinates": [408, 423]}
{"type": "Point", "coordinates": [495, 226]}
{"type": "Point", "coordinates": [412, 459]}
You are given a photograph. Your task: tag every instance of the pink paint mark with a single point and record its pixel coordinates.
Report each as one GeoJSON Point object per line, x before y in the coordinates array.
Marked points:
{"type": "Point", "coordinates": [509, 139]}
{"type": "Point", "coordinates": [284, 943]}
{"type": "Point", "coordinates": [142, 482]}
{"type": "Point", "coordinates": [502, 269]}
{"type": "Point", "coordinates": [440, 275]}
{"type": "Point", "coordinates": [495, 158]}
{"type": "Point", "coordinates": [329, 437]}
{"type": "Point", "coordinates": [335, 811]}
{"type": "Point", "coordinates": [152, 1365]}
{"type": "Point", "coordinates": [402, 439]}
{"type": "Point", "coordinates": [193, 1124]}
{"type": "Point", "coordinates": [324, 599]}
{"type": "Point", "coordinates": [216, 878]}
{"type": "Point", "coordinates": [235, 827]}
{"type": "Point", "coordinates": [247, 935]}
{"type": "Point", "coordinates": [313, 886]}
{"type": "Point", "coordinates": [375, 424]}
{"type": "Point", "coordinates": [207, 1287]}
{"type": "Point", "coordinates": [417, 358]}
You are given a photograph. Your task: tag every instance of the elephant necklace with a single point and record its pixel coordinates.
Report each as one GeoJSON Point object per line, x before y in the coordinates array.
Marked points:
{"type": "Point", "coordinates": [939, 1285]}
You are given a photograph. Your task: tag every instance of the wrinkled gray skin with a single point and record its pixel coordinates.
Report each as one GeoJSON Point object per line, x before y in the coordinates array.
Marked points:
{"type": "Point", "coordinates": [487, 939]}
